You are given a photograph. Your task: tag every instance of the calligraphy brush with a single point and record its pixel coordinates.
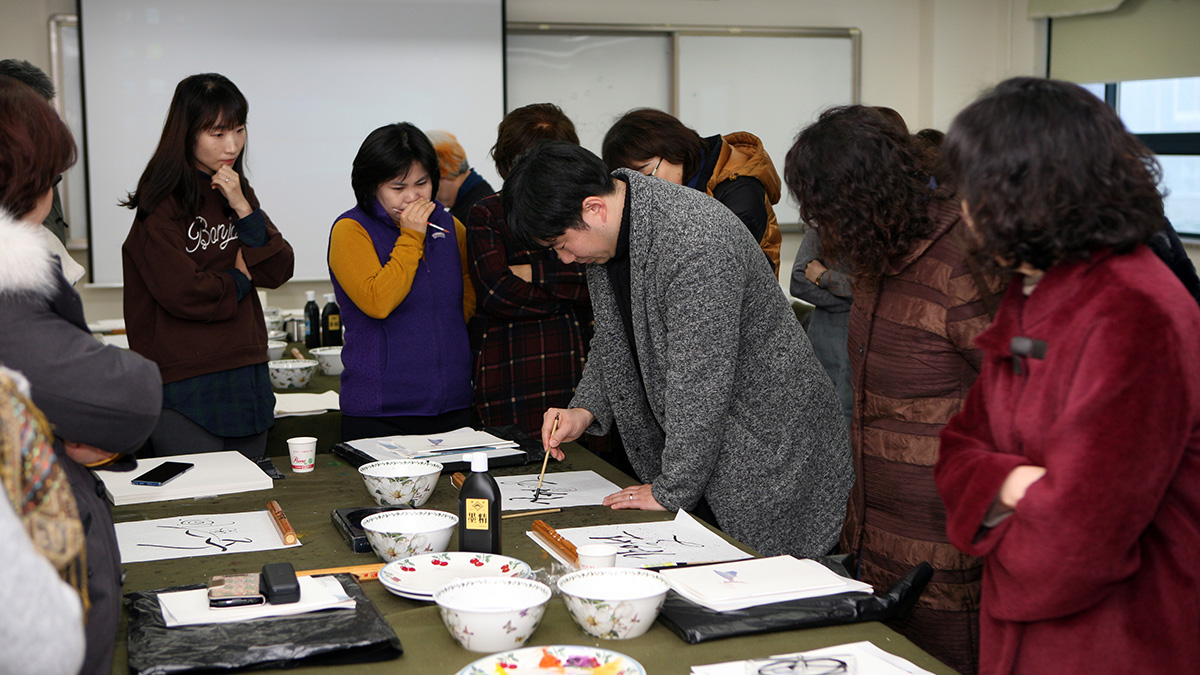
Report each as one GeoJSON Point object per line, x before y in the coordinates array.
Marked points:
{"type": "Point", "coordinates": [545, 459]}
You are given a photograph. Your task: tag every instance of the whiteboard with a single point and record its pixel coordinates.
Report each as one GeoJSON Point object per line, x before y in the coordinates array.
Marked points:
{"type": "Point", "coordinates": [319, 75]}
{"type": "Point", "coordinates": [577, 73]}
{"type": "Point", "coordinates": [771, 82]}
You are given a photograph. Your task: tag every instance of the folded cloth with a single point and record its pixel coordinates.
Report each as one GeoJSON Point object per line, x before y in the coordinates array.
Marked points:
{"type": "Point", "coordinates": [310, 639]}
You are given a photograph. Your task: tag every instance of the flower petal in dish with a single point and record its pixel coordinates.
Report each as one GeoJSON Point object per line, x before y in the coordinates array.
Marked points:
{"type": "Point", "coordinates": [417, 577]}
{"type": "Point", "coordinates": [566, 659]}
{"type": "Point", "coordinates": [615, 603]}
{"type": "Point", "coordinates": [291, 373]}
{"type": "Point", "coordinates": [330, 359]}
{"type": "Point", "coordinates": [400, 534]}
{"type": "Point", "coordinates": [400, 482]}
{"type": "Point", "coordinates": [491, 614]}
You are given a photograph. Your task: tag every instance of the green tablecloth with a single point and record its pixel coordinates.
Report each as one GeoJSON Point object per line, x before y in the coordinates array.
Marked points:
{"type": "Point", "coordinates": [428, 647]}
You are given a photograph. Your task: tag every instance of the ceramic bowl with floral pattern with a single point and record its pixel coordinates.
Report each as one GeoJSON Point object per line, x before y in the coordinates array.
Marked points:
{"type": "Point", "coordinates": [492, 614]}
{"type": "Point", "coordinates": [614, 603]}
{"type": "Point", "coordinates": [400, 482]}
{"type": "Point", "coordinates": [291, 373]}
{"type": "Point", "coordinates": [400, 534]}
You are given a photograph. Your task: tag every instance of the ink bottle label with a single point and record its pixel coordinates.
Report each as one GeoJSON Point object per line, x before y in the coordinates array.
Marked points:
{"type": "Point", "coordinates": [477, 514]}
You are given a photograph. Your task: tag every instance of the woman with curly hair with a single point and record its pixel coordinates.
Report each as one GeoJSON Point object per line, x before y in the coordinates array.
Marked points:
{"type": "Point", "coordinates": [1074, 466]}
{"type": "Point", "coordinates": [918, 304]}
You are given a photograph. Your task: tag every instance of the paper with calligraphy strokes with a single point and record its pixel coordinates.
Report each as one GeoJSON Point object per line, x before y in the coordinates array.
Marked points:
{"type": "Point", "coordinates": [682, 541]}
{"type": "Point", "coordinates": [561, 489]}
{"type": "Point", "coordinates": [200, 535]}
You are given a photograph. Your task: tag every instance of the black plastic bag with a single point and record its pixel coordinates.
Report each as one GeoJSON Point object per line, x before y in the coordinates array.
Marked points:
{"type": "Point", "coordinates": [697, 624]}
{"type": "Point", "coordinates": [317, 638]}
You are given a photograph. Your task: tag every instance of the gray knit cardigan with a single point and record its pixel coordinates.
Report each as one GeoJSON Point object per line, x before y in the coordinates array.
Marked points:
{"type": "Point", "coordinates": [731, 404]}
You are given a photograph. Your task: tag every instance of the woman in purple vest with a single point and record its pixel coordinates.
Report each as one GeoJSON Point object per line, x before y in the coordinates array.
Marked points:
{"type": "Point", "coordinates": [398, 265]}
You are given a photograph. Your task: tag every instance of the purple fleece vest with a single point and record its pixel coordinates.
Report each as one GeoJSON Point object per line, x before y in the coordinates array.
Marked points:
{"type": "Point", "coordinates": [417, 361]}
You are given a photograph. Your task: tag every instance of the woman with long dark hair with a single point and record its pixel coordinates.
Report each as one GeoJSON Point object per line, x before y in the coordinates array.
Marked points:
{"type": "Point", "coordinates": [1074, 467]}
{"type": "Point", "coordinates": [198, 248]}
{"type": "Point", "coordinates": [398, 262]}
{"type": "Point", "coordinates": [918, 304]}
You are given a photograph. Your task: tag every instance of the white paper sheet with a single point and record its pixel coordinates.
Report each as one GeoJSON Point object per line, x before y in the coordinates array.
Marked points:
{"type": "Point", "coordinates": [199, 535]}
{"type": "Point", "coordinates": [215, 473]}
{"type": "Point", "coordinates": [411, 447]}
{"type": "Point", "coordinates": [682, 541]}
{"type": "Point", "coordinates": [759, 581]}
{"type": "Point", "coordinates": [294, 405]}
{"type": "Point", "coordinates": [868, 660]}
{"type": "Point", "coordinates": [563, 489]}
{"type": "Point", "coordinates": [189, 608]}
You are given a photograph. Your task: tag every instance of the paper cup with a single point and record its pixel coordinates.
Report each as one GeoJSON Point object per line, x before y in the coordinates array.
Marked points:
{"type": "Point", "coordinates": [596, 556]}
{"type": "Point", "coordinates": [303, 451]}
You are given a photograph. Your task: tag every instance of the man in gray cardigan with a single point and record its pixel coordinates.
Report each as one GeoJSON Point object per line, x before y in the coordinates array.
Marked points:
{"type": "Point", "coordinates": [697, 357]}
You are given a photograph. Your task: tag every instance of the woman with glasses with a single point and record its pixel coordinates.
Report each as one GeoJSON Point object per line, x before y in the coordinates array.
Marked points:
{"type": "Point", "coordinates": [1074, 466]}
{"type": "Point", "coordinates": [734, 168]}
{"type": "Point", "coordinates": [199, 246]}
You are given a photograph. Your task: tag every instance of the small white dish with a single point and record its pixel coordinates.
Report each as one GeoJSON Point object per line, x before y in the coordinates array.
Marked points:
{"type": "Point", "coordinates": [491, 614]}
{"type": "Point", "coordinates": [418, 576]}
{"type": "Point", "coordinates": [330, 359]}
{"type": "Point", "coordinates": [578, 658]}
{"type": "Point", "coordinates": [291, 373]}
{"type": "Point", "coordinates": [400, 482]}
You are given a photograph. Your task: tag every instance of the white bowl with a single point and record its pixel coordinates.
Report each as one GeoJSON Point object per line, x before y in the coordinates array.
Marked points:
{"type": "Point", "coordinates": [276, 335]}
{"type": "Point", "coordinates": [400, 534]}
{"type": "Point", "coordinates": [275, 349]}
{"type": "Point", "coordinates": [615, 603]}
{"type": "Point", "coordinates": [397, 482]}
{"type": "Point", "coordinates": [492, 614]}
{"type": "Point", "coordinates": [330, 359]}
{"type": "Point", "coordinates": [291, 373]}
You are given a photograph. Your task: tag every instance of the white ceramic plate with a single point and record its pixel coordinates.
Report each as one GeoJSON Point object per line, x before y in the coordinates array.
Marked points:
{"type": "Point", "coordinates": [417, 577]}
{"type": "Point", "coordinates": [570, 659]}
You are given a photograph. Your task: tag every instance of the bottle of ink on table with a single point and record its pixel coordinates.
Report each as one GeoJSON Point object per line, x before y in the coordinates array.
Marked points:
{"type": "Point", "coordinates": [331, 323]}
{"type": "Point", "coordinates": [479, 508]}
{"type": "Point", "coordinates": [312, 321]}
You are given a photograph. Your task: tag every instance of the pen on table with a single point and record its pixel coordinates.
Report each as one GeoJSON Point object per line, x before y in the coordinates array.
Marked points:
{"type": "Point", "coordinates": [556, 540]}
{"type": "Point", "coordinates": [522, 514]}
{"type": "Point", "coordinates": [360, 572]}
{"type": "Point", "coordinates": [281, 522]}
{"type": "Point", "coordinates": [545, 459]}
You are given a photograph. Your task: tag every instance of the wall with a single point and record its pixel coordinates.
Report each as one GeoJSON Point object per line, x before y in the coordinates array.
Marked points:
{"type": "Point", "coordinates": [925, 58]}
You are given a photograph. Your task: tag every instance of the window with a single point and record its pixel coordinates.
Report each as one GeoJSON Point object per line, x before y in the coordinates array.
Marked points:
{"type": "Point", "coordinates": [1165, 115]}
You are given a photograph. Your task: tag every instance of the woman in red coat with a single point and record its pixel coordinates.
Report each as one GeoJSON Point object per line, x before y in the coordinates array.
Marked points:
{"type": "Point", "coordinates": [1074, 467]}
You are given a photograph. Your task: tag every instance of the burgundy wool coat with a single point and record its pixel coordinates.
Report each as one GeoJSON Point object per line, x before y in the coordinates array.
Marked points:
{"type": "Point", "coordinates": [1098, 569]}
{"type": "Point", "coordinates": [531, 340]}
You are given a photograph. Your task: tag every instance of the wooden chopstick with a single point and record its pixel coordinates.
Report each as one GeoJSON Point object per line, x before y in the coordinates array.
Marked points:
{"type": "Point", "coordinates": [557, 541]}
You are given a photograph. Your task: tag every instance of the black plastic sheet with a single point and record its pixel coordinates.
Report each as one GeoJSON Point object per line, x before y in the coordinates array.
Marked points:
{"type": "Point", "coordinates": [330, 637]}
{"type": "Point", "coordinates": [697, 624]}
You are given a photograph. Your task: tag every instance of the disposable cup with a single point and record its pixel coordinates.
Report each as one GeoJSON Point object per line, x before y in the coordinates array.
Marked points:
{"type": "Point", "coordinates": [595, 556]}
{"type": "Point", "coordinates": [303, 451]}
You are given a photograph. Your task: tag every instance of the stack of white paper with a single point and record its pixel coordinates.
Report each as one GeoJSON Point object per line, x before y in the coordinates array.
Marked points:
{"type": "Point", "coordinates": [861, 658]}
{"type": "Point", "coordinates": [189, 608]}
{"type": "Point", "coordinates": [215, 473]}
{"type": "Point", "coordinates": [758, 581]}
{"type": "Point", "coordinates": [295, 405]}
{"type": "Point", "coordinates": [445, 447]}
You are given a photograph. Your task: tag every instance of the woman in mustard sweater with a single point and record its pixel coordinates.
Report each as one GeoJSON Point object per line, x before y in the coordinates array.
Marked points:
{"type": "Point", "coordinates": [398, 265]}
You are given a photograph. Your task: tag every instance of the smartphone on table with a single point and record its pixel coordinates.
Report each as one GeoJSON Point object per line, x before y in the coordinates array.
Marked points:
{"type": "Point", "coordinates": [163, 473]}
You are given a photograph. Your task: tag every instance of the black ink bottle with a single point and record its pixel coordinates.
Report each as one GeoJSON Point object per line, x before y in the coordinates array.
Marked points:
{"type": "Point", "coordinates": [312, 321]}
{"type": "Point", "coordinates": [331, 323]}
{"type": "Point", "coordinates": [479, 509]}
